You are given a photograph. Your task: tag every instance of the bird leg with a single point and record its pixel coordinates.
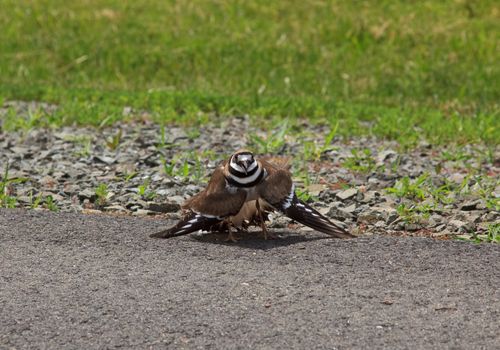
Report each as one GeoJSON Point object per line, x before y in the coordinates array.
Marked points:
{"type": "Point", "coordinates": [262, 223]}
{"type": "Point", "coordinates": [230, 236]}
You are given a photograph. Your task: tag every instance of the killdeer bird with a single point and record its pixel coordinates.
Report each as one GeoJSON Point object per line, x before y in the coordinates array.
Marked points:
{"type": "Point", "coordinates": [241, 191]}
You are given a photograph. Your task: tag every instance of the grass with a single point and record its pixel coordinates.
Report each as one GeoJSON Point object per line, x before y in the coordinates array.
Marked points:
{"type": "Point", "coordinates": [491, 236]}
{"type": "Point", "coordinates": [420, 197]}
{"type": "Point", "coordinates": [399, 70]}
{"type": "Point", "coordinates": [7, 200]}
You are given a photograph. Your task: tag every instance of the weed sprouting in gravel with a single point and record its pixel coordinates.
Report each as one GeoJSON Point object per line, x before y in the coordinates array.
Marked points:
{"type": "Point", "coordinates": [274, 142]}
{"type": "Point", "coordinates": [113, 142]}
{"type": "Point", "coordinates": [14, 121]}
{"type": "Point", "coordinates": [305, 196]}
{"type": "Point", "coordinates": [492, 235]}
{"type": "Point", "coordinates": [411, 189]}
{"type": "Point", "coordinates": [35, 201]}
{"type": "Point", "coordinates": [84, 144]}
{"type": "Point", "coordinates": [50, 204]}
{"type": "Point", "coordinates": [143, 190]}
{"type": "Point", "coordinates": [313, 151]}
{"type": "Point", "coordinates": [361, 161]}
{"type": "Point", "coordinates": [102, 194]}
{"type": "Point", "coordinates": [7, 199]}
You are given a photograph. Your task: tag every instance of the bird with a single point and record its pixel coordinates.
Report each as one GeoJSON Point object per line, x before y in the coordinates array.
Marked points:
{"type": "Point", "coordinates": [242, 191]}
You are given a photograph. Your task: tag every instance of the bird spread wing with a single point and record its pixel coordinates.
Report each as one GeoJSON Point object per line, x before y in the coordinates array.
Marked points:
{"type": "Point", "coordinates": [191, 222]}
{"type": "Point", "coordinates": [278, 190]}
{"type": "Point", "coordinates": [208, 208]}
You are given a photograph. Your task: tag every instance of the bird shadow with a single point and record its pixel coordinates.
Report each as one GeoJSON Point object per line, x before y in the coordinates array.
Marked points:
{"type": "Point", "coordinates": [255, 240]}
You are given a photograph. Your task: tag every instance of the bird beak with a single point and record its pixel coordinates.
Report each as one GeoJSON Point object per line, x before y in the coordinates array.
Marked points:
{"type": "Point", "coordinates": [245, 166]}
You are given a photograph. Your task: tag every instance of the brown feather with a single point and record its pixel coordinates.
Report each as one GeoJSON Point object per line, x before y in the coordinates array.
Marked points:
{"type": "Point", "coordinates": [278, 184]}
{"type": "Point", "coordinates": [278, 162]}
{"type": "Point", "coordinates": [216, 199]}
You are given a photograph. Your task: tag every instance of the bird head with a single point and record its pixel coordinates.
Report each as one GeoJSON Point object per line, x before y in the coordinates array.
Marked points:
{"type": "Point", "coordinates": [244, 160]}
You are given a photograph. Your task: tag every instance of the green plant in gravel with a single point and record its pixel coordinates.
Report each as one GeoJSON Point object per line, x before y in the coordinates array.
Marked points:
{"type": "Point", "coordinates": [35, 201]}
{"type": "Point", "coordinates": [484, 188]}
{"type": "Point", "coordinates": [274, 142]}
{"type": "Point", "coordinates": [168, 166]}
{"type": "Point", "coordinates": [189, 166]}
{"type": "Point", "coordinates": [361, 161]}
{"type": "Point", "coordinates": [50, 204]}
{"type": "Point", "coordinates": [12, 121]}
{"type": "Point", "coordinates": [128, 176]}
{"type": "Point", "coordinates": [314, 152]}
{"type": "Point", "coordinates": [144, 192]}
{"type": "Point", "coordinates": [411, 189]}
{"type": "Point", "coordinates": [491, 236]}
{"type": "Point", "coordinates": [304, 195]}
{"type": "Point", "coordinates": [83, 142]}
{"type": "Point", "coordinates": [6, 183]}
{"type": "Point", "coordinates": [455, 155]}
{"type": "Point", "coordinates": [102, 194]}
{"type": "Point", "coordinates": [113, 141]}
{"type": "Point", "coordinates": [407, 212]}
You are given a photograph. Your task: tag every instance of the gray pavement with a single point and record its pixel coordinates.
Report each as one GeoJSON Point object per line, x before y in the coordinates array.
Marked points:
{"type": "Point", "coordinates": [72, 281]}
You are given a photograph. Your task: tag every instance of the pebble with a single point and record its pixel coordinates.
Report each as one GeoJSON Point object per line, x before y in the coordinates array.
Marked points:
{"type": "Point", "coordinates": [349, 193]}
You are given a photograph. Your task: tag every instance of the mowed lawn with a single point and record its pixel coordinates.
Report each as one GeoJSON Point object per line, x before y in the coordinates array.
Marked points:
{"type": "Point", "coordinates": [396, 69]}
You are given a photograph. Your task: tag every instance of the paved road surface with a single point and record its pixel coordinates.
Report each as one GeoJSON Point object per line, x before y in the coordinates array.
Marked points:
{"type": "Point", "coordinates": [85, 282]}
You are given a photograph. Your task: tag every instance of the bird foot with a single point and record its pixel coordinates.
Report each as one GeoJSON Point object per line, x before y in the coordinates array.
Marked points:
{"type": "Point", "coordinates": [268, 235]}
{"type": "Point", "coordinates": [231, 238]}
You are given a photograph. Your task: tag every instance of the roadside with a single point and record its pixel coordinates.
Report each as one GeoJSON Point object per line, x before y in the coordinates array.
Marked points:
{"type": "Point", "coordinates": [94, 281]}
{"type": "Point", "coordinates": [141, 168]}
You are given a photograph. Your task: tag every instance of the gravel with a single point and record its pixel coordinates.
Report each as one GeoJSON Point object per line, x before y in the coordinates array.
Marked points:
{"type": "Point", "coordinates": [147, 174]}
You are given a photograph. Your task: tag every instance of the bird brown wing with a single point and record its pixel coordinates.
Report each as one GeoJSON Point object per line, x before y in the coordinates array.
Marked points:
{"type": "Point", "coordinates": [207, 209]}
{"type": "Point", "coordinates": [279, 162]}
{"type": "Point", "coordinates": [278, 190]}
{"type": "Point", "coordinates": [216, 199]}
{"type": "Point", "coordinates": [278, 183]}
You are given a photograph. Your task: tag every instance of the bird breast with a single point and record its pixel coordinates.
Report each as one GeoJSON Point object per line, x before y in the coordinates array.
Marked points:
{"type": "Point", "coordinates": [252, 194]}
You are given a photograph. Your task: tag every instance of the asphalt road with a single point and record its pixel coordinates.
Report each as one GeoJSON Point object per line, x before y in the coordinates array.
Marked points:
{"type": "Point", "coordinates": [70, 281]}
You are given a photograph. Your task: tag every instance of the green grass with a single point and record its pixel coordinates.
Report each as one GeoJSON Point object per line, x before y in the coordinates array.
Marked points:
{"type": "Point", "coordinates": [411, 69]}
{"type": "Point", "coordinates": [491, 236]}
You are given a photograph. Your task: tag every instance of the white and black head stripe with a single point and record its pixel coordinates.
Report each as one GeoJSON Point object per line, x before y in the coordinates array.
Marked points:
{"type": "Point", "coordinates": [238, 159]}
{"type": "Point", "coordinates": [248, 180]}
{"type": "Point", "coordinates": [237, 171]}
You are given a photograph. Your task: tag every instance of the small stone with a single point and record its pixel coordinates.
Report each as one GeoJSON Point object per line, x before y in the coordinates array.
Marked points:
{"type": "Point", "coordinates": [142, 212]}
{"type": "Point", "coordinates": [469, 205]}
{"type": "Point", "coordinates": [369, 216]}
{"type": "Point", "coordinates": [56, 197]}
{"type": "Point", "coordinates": [349, 193]}
{"type": "Point", "coordinates": [315, 189]}
{"type": "Point", "coordinates": [177, 199]}
{"type": "Point", "coordinates": [115, 207]}
{"type": "Point", "coordinates": [105, 159]}
{"type": "Point", "coordinates": [457, 224]}
{"type": "Point", "coordinates": [457, 178]}
{"type": "Point", "coordinates": [380, 224]}
{"type": "Point", "coordinates": [435, 220]}
{"type": "Point", "coordinates": [370, 196]}
{"type": "Point", "coordinates": [87, 194]}
{"type": "Point", "coordinates": [491, 216]}
{"type": "Point", "coordinates": [384, 155]}
{"type": "Point", "coordinates": [412, 227]}
{"type": "Point", "coordinates": [127, 111]}
{"type": "Point", "coordinates": [167, 207]}
{"type": "Point", "coordinates": [91, 211]}
{"type": "Point", "coordinates": [350, 209]}
{"type": "Point", "coordinates": [48, 182]}
{"type": "Point", "coordinates": [339, 214]}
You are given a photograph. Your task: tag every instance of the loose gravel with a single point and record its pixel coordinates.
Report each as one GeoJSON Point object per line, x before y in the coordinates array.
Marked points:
{"type": "Point", "coordinates": [142, 169]}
